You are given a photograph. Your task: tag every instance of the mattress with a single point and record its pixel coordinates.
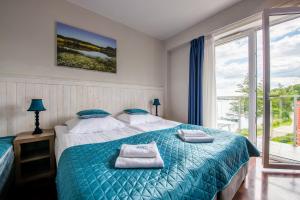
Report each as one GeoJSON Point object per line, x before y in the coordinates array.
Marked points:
{"type": "Point", "coordinates": [192, 171]}
{"type": "Point", "coordinates": [6, 161]}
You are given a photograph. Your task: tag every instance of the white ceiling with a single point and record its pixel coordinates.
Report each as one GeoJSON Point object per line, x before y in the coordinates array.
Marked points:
{"type": "Point", "coordinates": [158, 18]}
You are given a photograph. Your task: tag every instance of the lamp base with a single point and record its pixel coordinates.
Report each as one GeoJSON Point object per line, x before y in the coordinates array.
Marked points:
{"type": "Point", "coordinates": [37, 131]}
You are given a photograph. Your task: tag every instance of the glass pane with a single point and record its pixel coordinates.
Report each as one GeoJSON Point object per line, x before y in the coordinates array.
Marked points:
{"type": "Point", "coordinates": [284, 88]}
{"type": "Point", "coordinates": [232, 85]}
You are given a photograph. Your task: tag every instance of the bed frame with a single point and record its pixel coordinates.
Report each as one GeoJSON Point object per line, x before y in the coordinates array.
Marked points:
{"type": "Point", "coordinates": [234, 185]}
{"type": "Point", "coordinates": [6, 190]}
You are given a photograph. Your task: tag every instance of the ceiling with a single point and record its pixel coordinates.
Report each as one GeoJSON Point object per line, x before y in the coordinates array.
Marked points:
{"type": "Point", "coordinates": [160, 19]}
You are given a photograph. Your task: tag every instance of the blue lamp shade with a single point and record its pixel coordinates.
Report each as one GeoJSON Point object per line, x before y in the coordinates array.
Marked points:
{"type": "Point", "coordinates": [36, 105]}
{"type": "Point", "coordinates": [156, 102]}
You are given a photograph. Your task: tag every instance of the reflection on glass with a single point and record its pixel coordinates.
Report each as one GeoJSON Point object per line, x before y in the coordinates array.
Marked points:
{"type": "Point", "coordinates": [232, 85]}
{"type": "Point", "coordinates": [284, 88]}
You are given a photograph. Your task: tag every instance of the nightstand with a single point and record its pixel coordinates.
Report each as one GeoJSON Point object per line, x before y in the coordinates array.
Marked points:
{"type": "Point", "coordinates": [34, 156]}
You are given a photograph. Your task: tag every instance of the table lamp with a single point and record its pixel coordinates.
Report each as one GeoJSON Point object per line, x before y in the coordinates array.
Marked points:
{"type": "Point", "coordinates": [156, 103]}
{"type": "Point", "coordinates": [37, 106]}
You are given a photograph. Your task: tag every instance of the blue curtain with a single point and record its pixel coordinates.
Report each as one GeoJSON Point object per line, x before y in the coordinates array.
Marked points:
{"type": "Point", "coordinates": [195, 81]}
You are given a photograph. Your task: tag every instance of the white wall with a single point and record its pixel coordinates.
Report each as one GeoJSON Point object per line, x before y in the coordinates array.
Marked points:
{"type": "Point", "coordinates": [178, 84]}
{"type": "Point", "coordinates": [64, 98]}
{"type": "Point", "coordinates": [28, 69]}
{"type": "Point", "coordinates": [239, 11]}
{"type": "Point", "coordinates": [27, 46]}
{"type": "Point", "coordinates": [178, 48]}
{"type": "Point", "coordinates": [27, 43]}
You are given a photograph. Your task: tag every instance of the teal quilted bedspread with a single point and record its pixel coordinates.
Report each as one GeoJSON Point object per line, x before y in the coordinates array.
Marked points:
{"type": "Point", "coordinates": [5, 144]}
{"type": "Point", "coordinates": [192, 170]}
{"type": "Point", "coordinates": [6, 160]}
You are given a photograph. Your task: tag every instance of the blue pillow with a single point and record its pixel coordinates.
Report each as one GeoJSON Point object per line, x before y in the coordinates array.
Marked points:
{"type": "Point", "coordinates": [136, 111]}
{"type": "Point", "coordinates": [92, 113]}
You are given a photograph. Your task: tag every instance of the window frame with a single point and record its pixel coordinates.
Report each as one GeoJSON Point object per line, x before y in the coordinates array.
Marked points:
{"type": "Point", "coordinates": [251, 34]}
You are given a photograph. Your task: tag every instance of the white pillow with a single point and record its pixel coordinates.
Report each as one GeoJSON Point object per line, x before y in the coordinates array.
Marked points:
{"type": "Point", "coordinates": [138, 119]}
{"type": "Point", "coordinates": [93, 125]}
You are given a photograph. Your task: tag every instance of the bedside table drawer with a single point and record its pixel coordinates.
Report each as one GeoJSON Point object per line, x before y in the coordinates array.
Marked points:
{"type": "Point", "coordinates": [34, 150]}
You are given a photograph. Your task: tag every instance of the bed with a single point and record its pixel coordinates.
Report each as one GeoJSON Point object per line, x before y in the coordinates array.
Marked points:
{"type": "Point", "coordinates": [192, 171]}
{"type": "Point", "coordinates": [156, 125]}
{"type": "Point", "coordinates": [6, 164]}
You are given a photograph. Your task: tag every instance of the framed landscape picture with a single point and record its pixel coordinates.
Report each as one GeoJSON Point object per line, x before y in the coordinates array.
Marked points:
{"type": "Point", "coordinates": [82, 49]}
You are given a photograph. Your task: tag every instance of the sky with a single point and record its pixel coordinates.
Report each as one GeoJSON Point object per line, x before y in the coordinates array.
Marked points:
{"type": "Point", "coordinates": [70, 31]}
{"type": "Point", "coordinates": [232, 59]}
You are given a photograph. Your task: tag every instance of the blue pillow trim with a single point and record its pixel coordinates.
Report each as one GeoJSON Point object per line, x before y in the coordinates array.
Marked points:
{"type": "Point", "coordinates": [92, 112]}
{"type": "Point", "coordinates": [136, 111]}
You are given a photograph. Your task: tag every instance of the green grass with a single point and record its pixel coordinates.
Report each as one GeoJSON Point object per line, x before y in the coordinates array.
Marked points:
{"type": "Point", "coordinates": [277, 123]}
{"type": "Point", "coordinates": [244, 132]}
{"type": "Point", "coordinates": [287, 139]}
{"type": "Point", "coordinates": [69, 59]}
{"type": "Point", "coordinates": [259, 130]}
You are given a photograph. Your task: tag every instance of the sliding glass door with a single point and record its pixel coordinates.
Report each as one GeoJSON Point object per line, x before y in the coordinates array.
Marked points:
{"type": "Point", "coordinates": [236, 88]}
{"type": "Point", "coordinates": [281, 88]}
{"type": "Point", "coordinates": [232, 80]}
{"type": "Point", "coordinates": [258, 86]}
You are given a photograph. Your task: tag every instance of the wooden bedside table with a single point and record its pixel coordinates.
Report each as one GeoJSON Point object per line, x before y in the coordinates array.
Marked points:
{"type": "Point", "coordinates": [34, 155]}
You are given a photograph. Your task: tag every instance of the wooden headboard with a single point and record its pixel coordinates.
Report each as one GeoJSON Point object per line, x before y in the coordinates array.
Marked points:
{"type": "Point", "coordinates": [63, 98]}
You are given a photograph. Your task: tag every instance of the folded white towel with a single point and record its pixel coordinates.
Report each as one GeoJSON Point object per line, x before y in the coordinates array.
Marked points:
{"type": "Point", "coordinates": [193, 133]}
{"type": "Point", "coordinates": [155, 162]}
{"type": "Point", "coordinates": [138, 151]}
{"type": "Point", "coordinates": [206, 139]}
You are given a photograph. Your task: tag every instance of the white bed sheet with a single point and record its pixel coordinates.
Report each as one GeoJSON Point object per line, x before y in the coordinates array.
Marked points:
{"type": "Point", "coordinates": [65, 140]}
{"type": "Point", "coordinates": [158, 125]}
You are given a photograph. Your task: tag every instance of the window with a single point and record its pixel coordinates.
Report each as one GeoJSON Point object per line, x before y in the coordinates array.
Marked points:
{"type": "Point", "coordinates": [232, 81]}
{"type": "Point", "coordinates": [239, 81]}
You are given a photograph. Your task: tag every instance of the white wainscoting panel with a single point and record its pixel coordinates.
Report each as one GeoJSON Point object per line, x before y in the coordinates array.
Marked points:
{"type": "Point", "coordinates": [63, 98]}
